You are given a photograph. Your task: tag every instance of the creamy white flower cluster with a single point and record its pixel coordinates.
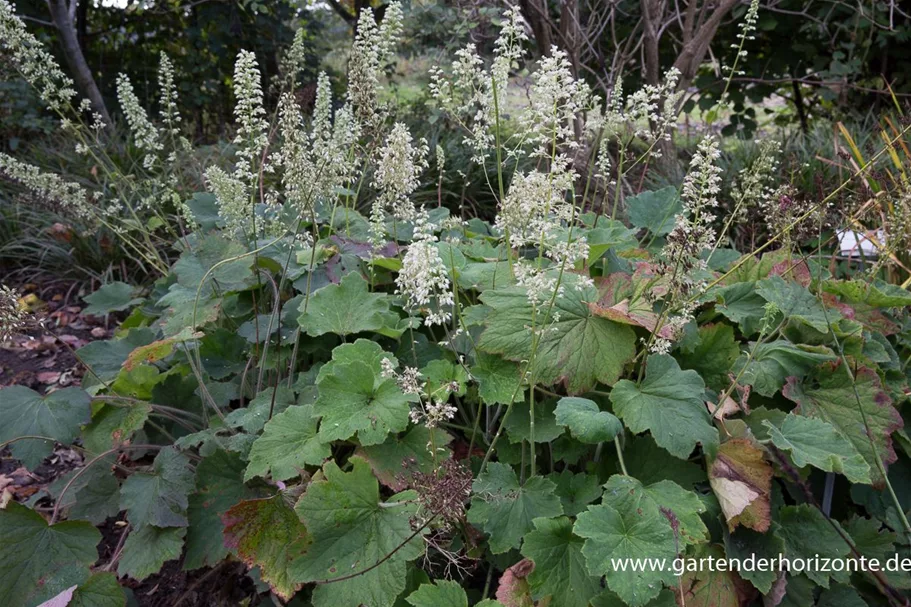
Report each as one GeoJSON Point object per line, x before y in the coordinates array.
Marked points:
{"type": "Point", "coordinates": [469, 93]}
{"type": "Point", "coordinates": [145, 135]}
{"type": "Point", "coordinates": [399, 165]}
{"type": "Point", "coordinates": [431, 409]}
{"type": "Point", "coordinates": [167, 100]}
{"type": "Point", "coordinates": [249, 112]}
{"type": "Point", "coordinates": [372, 50]}
{"type": "Point", "coordinates": [423, 280]}
{"type": "Point", "coordinates": [34, 63]}
{"type": "Point", "coordinates": [747, 27]}
{"type": "Point", "coordinates": [649, 114]}
{"type": "Point", "coordinates": [555, 101]}
{"type": "Point", "coordinates": [315, 164]}
{"type": "Point", "coordinates": [538, 212]}
{"type": "Point", "coordinates": [754, 185]}
{"type": "Point", "coordinates": [234, 192]}
{"type": "Point", "coordinates": [64, 196]}
{"type": "Point", "coordinates": [700, 193]}
{"type": "Point", "coordinates": [536, 206]}
{"type": "Point", "coordinates": [295, 60]}
{"type": "Point", "coordinates": [159, 188]}
{"type": "Point", "coordinates": [681, 263]}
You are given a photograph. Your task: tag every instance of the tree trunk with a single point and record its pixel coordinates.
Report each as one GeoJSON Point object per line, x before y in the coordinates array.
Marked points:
{"type": "Point", "coordinates": [652, 15]}
{"type": "Point", "coordinates": [82, 23]}
{"type": "Point", "coordinates": [82, 75]}
{"type": "Point", "coordinates": [694, 51]}
{"type": "Point", "coordinates": [535, 12]}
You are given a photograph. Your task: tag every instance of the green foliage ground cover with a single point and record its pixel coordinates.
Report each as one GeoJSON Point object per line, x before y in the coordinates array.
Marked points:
{"type": "Point", "coordinates": [405, 406]}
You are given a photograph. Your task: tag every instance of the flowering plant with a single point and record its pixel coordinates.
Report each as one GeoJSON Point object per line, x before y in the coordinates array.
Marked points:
{"type": "Point", "coordinates": [402, 404]}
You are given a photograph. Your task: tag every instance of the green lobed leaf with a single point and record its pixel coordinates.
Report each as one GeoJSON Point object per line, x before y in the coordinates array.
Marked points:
{"type": "Point", "coordinates": [746, 544]}
{"type": "Point", "coordinates": [713, 356]}
{"type": "Point", "coordinates": [630, 533]}
{"type": "Point", "coordinates": [442, 593]}
{"type": "Point", "coordinates": [518, 426]}
{"type": "Point", "coordinates": [816, 442]}
{"type": "Point", "coordinates": [93, 495]}
{"type": "Point", "coordinates": [741, 303]}
{"type": "Point", "coordinates": [352, 531]}
{"type": "Point", "coordinates": [363, 350]}
{"type": "Point", "coordinates": [560, 570]}
{"type": "Point", "coordinates": [395, 460]}
{"type": "Point", "coordinates": [586, 421]}
{"type": "Point", "coordinates": [222, 353]}
{"type": "Point", "coordinates": [840, 595]}
{"type": "Point", "coordinates": [655, 210]}
{"type": "Point", "coordinates": [254, 416]}
{"type": "Point", "coordinates": [499, 380]}
{"type": "Point", "coordinates": [148, 548]}
{"type": "Point", "coordinates": [105, 357]}
{"type": "Point", "coordinates": [610, 234]}
{"type": "Point", "coordinates": [668, 403]}
{"type": "Point", "coordinates": [796, 302]}
{"type": "Point", "coordinates": [607, 598]}
{"type": "Point", "coordinates": [112, 297]}
{"type": "Point", "coordinates": [830, 395]}
{"type": "Point", "coordinates": [807, 534]}
{"type": "Point", "coordinates": [672, 500]}
{"type": "Point", "coordinates": [579, 349]}
{"type": "Point", "coordinates": [229, 261]}
{"type": "Point", "coordinates": [576, 491]}
{"type": "Point", "coordinates": [58, 416]}
{"type": "Point", "coordinates": [345, 308]}
{"type": "Point", "coordinates": [505, 509]}
{"type": "Point", "coordinates": [100, 590]}
{"type": "Point", "coordinates": [159, 497]}
{"type": "Point", "coordinates": [288, 443]}
{"type": "Point", "coordinates": [353, 399]}
{"type": "Point", "coordinates": [773, 362]}
{"type": "Point", "coordinates": [704, 587]}
{"type": "Point", "coordinates": [649, 463]}
{"type": "Point", "coordinates": [877, 293]}
{"type": "Point", "coordinates": [37, 560]}
{"type": "Point", "coordinates": [112, 425]}
{"type": "Point", "coordinates": [266, 533]}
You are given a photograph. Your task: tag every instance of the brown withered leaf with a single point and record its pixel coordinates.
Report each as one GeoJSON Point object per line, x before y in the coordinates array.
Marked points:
{"type": "Point", "coordinates": [742, 482]}
{"type": "Point", "coordinates": [622, 298]}
{"type": "Point", "coordinates": [720, 412]}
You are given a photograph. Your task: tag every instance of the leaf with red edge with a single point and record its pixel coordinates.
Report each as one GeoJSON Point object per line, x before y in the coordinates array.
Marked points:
{"type": "Point", "coordinates": [742, 482]}
{"type": "Point", "coordinates": [828, 394]}
{"type": "Point", "coordinates": [266, 532]}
